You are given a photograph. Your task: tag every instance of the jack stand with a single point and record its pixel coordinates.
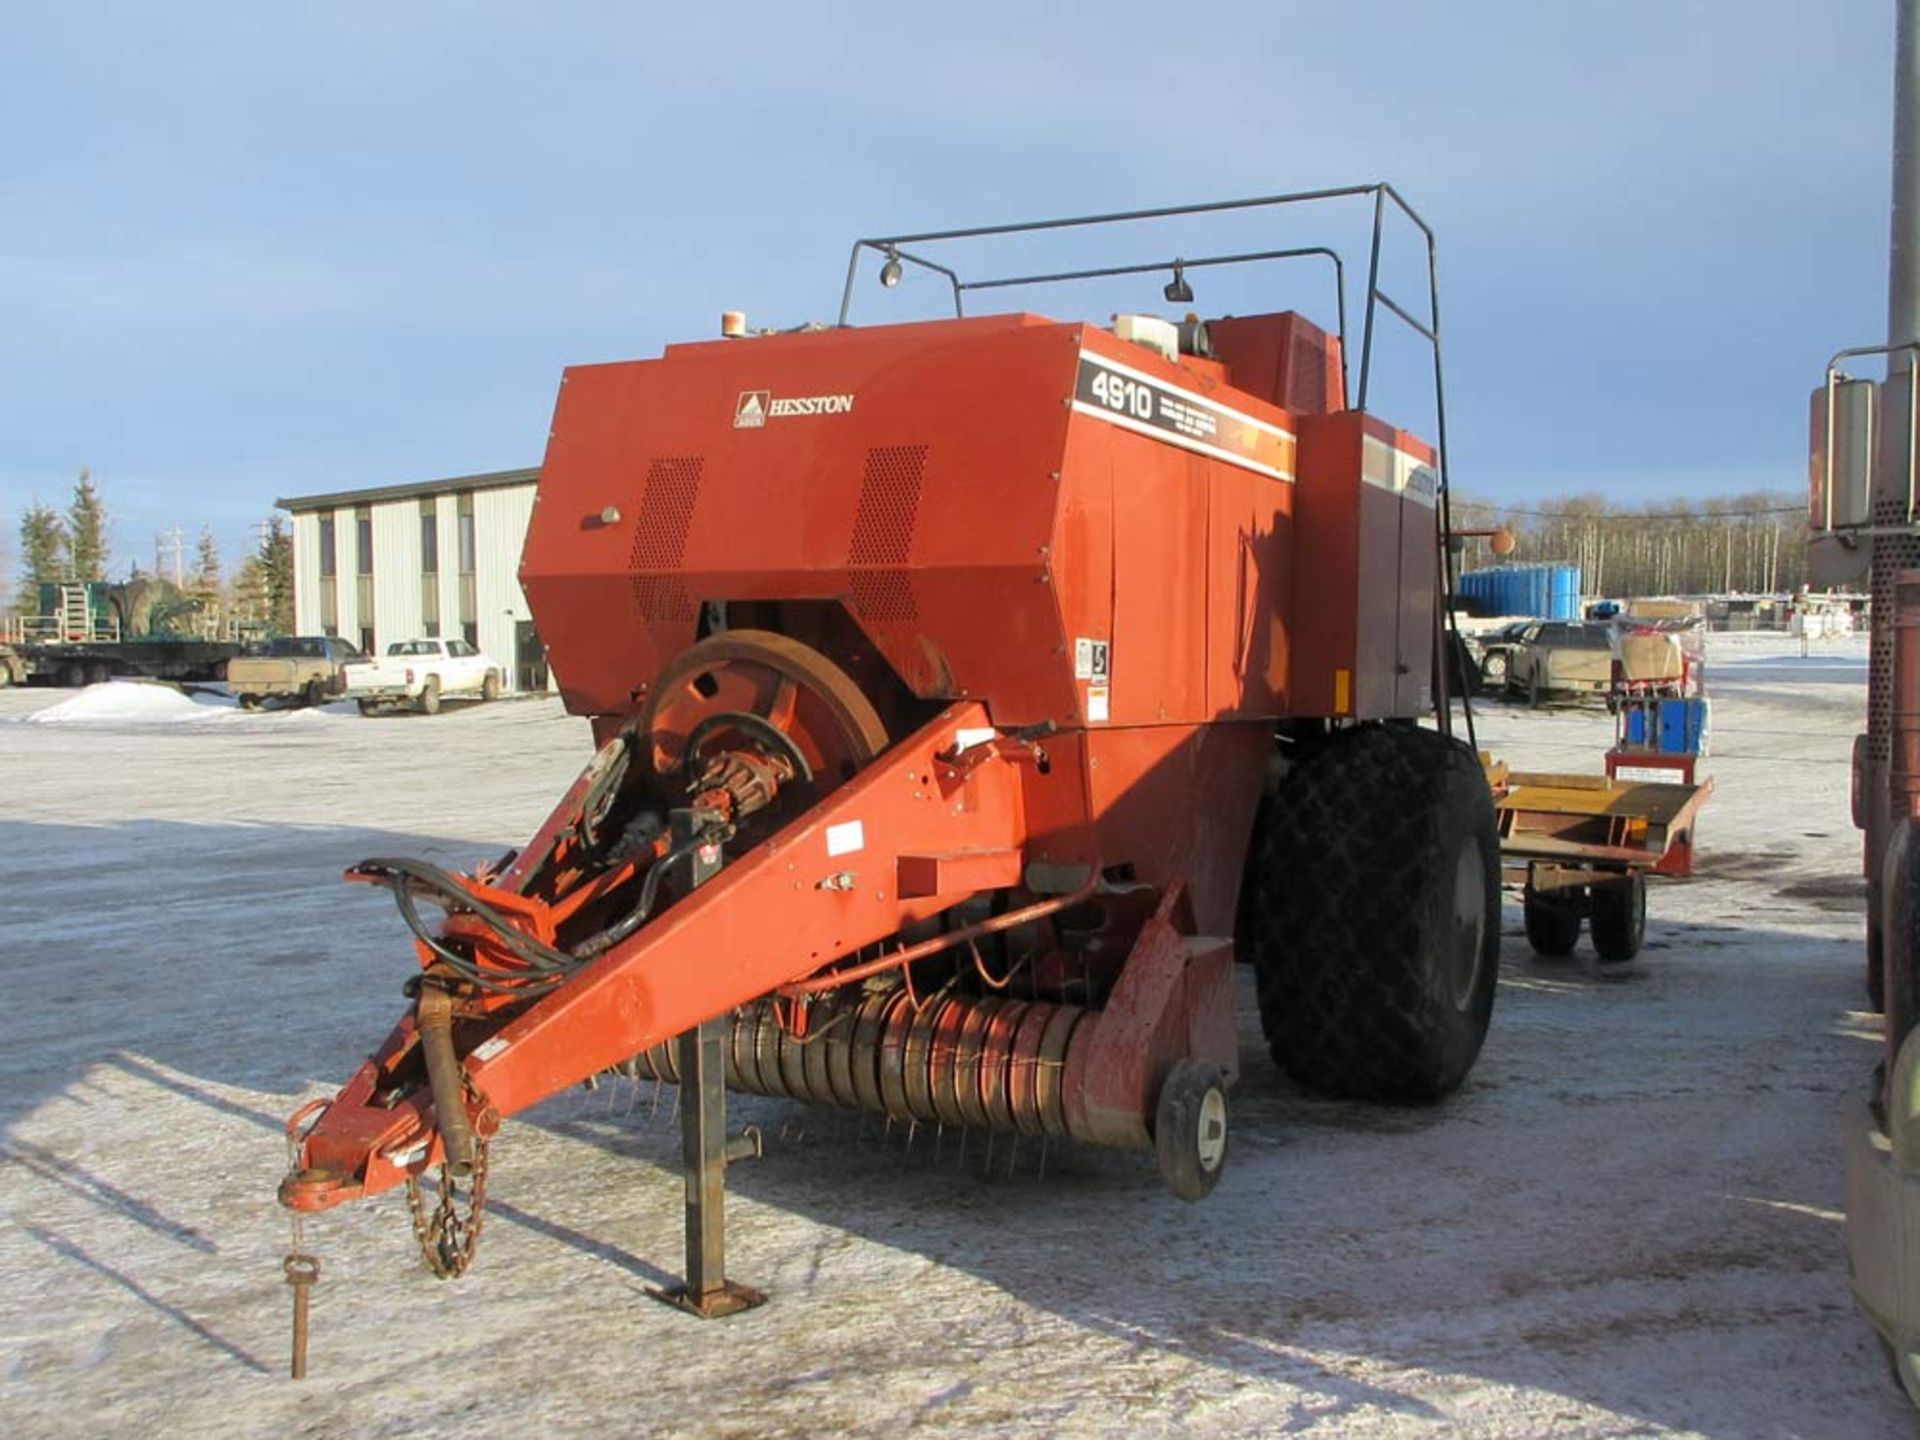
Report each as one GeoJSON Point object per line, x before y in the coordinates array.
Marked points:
{"type": "Point", "coordinates": [301, 1271]}
{"type": "Point", "coordinates": [706, 1152]}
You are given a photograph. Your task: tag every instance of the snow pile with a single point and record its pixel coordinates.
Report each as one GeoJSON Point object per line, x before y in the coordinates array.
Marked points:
{"type": "Point", "coordinates": [124, 702]}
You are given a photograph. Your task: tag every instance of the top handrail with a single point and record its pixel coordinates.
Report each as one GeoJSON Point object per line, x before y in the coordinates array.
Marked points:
{"type": "Point", "coordinates": [891, 246]}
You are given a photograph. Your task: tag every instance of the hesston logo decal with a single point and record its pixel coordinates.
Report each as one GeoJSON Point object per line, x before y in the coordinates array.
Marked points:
{"type": "Point", "coordinates": [755, 407]}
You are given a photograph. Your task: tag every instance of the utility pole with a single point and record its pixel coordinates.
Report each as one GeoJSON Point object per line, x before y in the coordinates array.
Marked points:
{"type": "Point", "coordinates": [170, 542]}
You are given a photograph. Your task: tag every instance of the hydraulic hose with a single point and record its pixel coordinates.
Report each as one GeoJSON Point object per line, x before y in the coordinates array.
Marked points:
{"type": "Point", "coordinates": [434, 1014]}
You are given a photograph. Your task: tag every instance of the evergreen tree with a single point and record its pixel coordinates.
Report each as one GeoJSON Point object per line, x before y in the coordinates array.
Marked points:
{"type": "Point", "coordinates": [250, 605]}
{"type": "Point", "coordinates": [276, 563]}
{"type": "Point", "coordinates": [43, 554]}
{"type": "Point", "coordinates": [87, 531]}
{"type": "Point", "coordinates": [206, 566]}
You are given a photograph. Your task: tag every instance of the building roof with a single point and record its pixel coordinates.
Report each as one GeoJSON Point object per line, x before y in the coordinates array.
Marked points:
{"type": "Point", "coordinates": [492, 480]}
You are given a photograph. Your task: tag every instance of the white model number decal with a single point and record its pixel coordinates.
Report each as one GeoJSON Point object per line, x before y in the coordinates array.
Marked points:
{"type": "Point", "coordinates": [1117, 392]}
{"type": "Point", "coordinates": [1136, 401]}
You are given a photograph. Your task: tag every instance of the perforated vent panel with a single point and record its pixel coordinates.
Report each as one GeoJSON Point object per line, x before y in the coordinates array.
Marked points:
{"type": "Point", "coordinates": [883, 533]}
{"type": "Point", "coordinates": [1891, 555]}
{"type": "Point", "coordinates": [660, 538]}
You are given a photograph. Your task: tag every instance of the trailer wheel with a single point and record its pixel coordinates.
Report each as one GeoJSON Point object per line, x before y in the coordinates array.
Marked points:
{"type": "Point", "coordinates": [1190, 1127]}
{"type": "Point", "coordinates": [1619, 920]}
{"type": "Point", "coordinates": [1553, 922]}
{"type": "Point", "coordinates": [429, 701]}
{"type": "Point", "coordinates": [1373, 915]}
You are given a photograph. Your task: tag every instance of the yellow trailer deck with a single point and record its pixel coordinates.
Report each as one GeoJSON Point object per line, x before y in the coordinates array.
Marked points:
{"type": "Point", "coordinates": [1581, 847]}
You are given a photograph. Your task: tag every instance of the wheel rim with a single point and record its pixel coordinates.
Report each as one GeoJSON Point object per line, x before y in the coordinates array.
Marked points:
{"type": "Point", "coordinates": [1210, 1130]}
{"type": "Point", "coordinates": [1469, 924]}
{"type": "Point", "coordinates": [794, 688]}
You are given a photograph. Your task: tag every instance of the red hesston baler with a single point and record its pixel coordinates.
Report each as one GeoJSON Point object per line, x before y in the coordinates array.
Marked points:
{"type": "Point", "coordinates": [969, 695]}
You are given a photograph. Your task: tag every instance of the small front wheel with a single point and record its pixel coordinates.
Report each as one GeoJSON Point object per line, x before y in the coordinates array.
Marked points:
{"type": "Point", "coordinates": [1553, 921]}
{"type": "Point", "coordinates": [1619, 920]}
{"type": "Point", "coordinates": [490, 687]}
{"type": "Point", "coordinates": [1190, 1127]}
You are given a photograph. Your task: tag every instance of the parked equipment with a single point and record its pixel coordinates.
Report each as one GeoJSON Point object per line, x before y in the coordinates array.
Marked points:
{"type": "Point", "coordinates": [418, 674]}
{"type": "Point", "coordinates": [1580, 847]}
{"type": "Point", "coordinates": [1558, 658]}
{"type": "Point", "coordinates": [1864, 525]}
{"type": "Point", "coordinates": [969, 695]}
{"type": "Point", "coordinates": [88, 632]}
{"type": "Point", "coordinates": [304, 669]}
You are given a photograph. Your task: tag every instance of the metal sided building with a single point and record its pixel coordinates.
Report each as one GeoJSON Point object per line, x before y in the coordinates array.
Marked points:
{"type": "Point", "coordinates": [438, 558]}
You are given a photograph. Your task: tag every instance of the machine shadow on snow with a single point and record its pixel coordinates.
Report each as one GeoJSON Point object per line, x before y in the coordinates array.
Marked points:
{"type": "Point", "coordinates": [236, 1012]}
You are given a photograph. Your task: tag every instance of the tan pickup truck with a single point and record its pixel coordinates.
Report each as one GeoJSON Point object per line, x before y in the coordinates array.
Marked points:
{"type": "Point", "coordinates": [1561, 657]}
{"type": "Point", "coordinates": [302, 668]}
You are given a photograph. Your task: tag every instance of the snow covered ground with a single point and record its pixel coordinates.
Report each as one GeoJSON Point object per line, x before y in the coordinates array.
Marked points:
{"type": "Point", "coordinates": [1627, 1224]}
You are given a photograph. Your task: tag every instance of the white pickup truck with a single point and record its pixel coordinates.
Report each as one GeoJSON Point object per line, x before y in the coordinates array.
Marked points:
{"type": "Point", "coordinates": [418, 674]}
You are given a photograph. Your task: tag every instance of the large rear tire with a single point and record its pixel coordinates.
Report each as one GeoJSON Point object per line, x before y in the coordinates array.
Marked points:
{"type": "Point", "coordinates": [1373, 915]}
{"type": "Point", "coordinates": [429, 701]}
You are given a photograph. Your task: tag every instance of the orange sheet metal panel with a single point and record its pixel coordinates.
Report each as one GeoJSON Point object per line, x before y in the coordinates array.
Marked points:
{"type": "Point", "coordinates": [1284, 358]}
{"type": "Point", "coordinates": [907, 470]}
{"type": "Point", "coordinates": [1176, 802]}
{"type": "Point", "coordinates": [1363, 579]}
{"type": "Point", "coordinates": [1201, 478]}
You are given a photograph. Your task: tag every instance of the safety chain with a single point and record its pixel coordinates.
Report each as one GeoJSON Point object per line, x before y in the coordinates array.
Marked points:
{"type": "Point", "coordinates": [447, 1240]}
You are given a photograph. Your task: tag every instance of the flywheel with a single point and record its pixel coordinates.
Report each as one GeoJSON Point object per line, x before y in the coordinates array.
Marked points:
{"type": "Point", "coordinates": [731, 685]}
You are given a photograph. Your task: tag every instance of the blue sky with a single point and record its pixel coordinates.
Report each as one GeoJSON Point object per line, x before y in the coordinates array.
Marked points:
{"type": "Point", "coordinates": [256, 250]}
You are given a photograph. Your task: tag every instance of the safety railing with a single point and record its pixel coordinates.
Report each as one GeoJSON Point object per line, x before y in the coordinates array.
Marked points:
{"type": "Point", "coordinates": [894, 256]}
{"type": "Point", "coordinates": [59, 630]}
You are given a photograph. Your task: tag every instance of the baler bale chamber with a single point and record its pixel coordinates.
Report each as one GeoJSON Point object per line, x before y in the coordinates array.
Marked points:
{"type": "Point", "coordinates": [970, 695]}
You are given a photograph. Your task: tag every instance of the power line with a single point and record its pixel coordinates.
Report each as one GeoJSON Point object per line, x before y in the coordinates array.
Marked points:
{"type": "Point", "coordinates": [1498, 509]}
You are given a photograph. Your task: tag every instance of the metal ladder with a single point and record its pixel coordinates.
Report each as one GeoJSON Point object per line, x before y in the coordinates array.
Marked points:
{"type": "Point", "coordinates": [76, 616]}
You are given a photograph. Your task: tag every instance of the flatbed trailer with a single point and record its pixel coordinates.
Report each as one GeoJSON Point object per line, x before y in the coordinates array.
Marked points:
{"type": "Point", "coordinates": [90, 662]}
{"type": "Point", "coordinates": [1580, 848]}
